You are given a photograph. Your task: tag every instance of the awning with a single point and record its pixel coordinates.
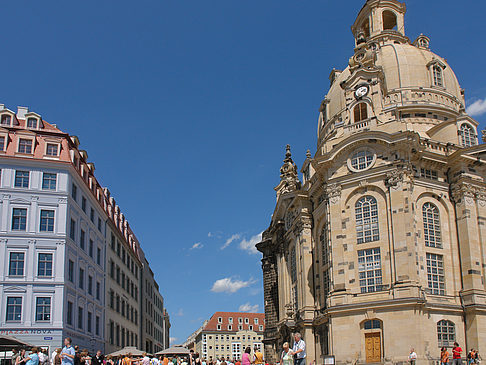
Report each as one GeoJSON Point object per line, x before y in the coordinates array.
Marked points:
{"type": "Point", "coordinates": [9, 342]}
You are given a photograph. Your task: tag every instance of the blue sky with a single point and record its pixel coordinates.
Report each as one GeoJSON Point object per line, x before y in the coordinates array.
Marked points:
{"type": "Point", "coordinates": [186, 106]}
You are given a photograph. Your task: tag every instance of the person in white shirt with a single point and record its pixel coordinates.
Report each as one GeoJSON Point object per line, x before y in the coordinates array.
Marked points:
{"type": "Point", "coordinates": [298, 350]}
{"type": "Point", "coordinates": [412, 357]}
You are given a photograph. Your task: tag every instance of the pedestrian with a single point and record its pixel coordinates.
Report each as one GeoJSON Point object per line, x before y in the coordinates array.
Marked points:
{"type": "Point", "coordinates": [197, 359]}
{"type": "Point", "coordinates": [286, 358]}
{"type": "Point", "coordinates": [412, 357]}
{"type": "Point", "coordinates": [444, 356]}
{"type": "Point", "coordinates": [20, 360]}
{"type": "Point", "coordinates": [456, 354]}
{"type": "Point", "coordinates": [238, 362]}
{"type": "Point", "coordinates": [53, 356]}
{"type": "Point", "coordinates": [98, 358]}
{"type": "Point", "coordinates": [33, 358]}
{"type": "Point", "coordinates": [42, 357]}
{"type": "Point", "coordinates": [257, 356]}
{"type": "Point", "coordinates": [298, 350]}
{"type": "Point", "coordinates": [477, 358]}
{"type": "Point", "coordinates": [68, 353]}
{"type": "Point", "coordinates": [57, 360]}
{"type": "Point", "coordinates": [223, 361]}
{"type": "Point", "coordinates": [245, 359]}
{"type": "Point", "coordinates": [471, 356]}
{"type": "Point", "coordinates": [109, 360]}
{"type": "Point", "coordinates": [15, 354]}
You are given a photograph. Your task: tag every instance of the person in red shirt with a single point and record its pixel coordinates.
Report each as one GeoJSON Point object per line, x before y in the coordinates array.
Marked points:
{"type": "Point", "coordinates": [456, 354]}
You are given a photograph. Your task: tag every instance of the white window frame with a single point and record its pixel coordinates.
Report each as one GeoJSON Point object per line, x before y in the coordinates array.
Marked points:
{"type": "Point", "coordinates": [32, 146]}
{"type": "Point", "coordinates": [9, 113]}
{"type": "Point", "coordinates": [432, 66]}
{"type": "Point", "coordinates": [367, 219]}
{"type": "Point", "coordinates": [471, 139]}
{"type": "Point", "coordinates": [431, 222]}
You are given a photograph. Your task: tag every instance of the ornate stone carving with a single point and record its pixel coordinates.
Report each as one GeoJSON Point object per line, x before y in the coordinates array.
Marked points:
{"type": "Point", "coordinates": [289, 178]}
{"type": "Point", "coordinates": [62, 200]}
{"type": "Point", "coordinates": [394, 179]}
{"type": "Point", "coordinates": [469, 193]}
{"type": "Point", "coordinates": [6, 196]}
{"type": "Point", "coordinates": [333, 192]}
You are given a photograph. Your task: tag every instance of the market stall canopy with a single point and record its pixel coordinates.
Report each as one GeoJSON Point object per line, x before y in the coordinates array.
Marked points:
{"type": "Point", "coordinates": [174, 350]}
{"type": "Point", "coordinates": [9, 342]}
{"type": "Point", "coordinates": [127, 350]}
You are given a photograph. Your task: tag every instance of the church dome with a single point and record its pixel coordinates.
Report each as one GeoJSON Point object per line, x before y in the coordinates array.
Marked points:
{"type": "Point", "coordinates": [390, 79]}
{"type": "Point", "coordinates": [404, 67]}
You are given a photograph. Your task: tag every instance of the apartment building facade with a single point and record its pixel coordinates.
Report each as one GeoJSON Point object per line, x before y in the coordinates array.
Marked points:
{"type": "Point", "coordinates": [56, 229]}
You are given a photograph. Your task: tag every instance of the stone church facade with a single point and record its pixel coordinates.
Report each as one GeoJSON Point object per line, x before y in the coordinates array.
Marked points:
{"type": "Point", "coordinates": [381, 246]}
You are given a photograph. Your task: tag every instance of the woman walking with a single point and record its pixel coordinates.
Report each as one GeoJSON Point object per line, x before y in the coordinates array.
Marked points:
{"type": "Point", "coordinates": [286, 358]}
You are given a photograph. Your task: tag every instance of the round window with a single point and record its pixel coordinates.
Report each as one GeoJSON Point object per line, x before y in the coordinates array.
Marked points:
{"type": "Point", "coordinates": [361, 160]}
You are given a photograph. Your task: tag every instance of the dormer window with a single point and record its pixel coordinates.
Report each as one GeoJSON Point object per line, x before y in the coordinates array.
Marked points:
{"type": "Point", "coordinates": [52, 149]}
{"type": "Point", "coordinates": [360, 112]}
{"type": "Point", "coordinates": [25, 145]}
{"type": "Point", "coordinates": [6, 119]}
{"type": "Point", "coordinates": [32, 123]}
{"type": "Point", "coordinates": [438, 78]}
{"type": "Point", "coordinates": [468, 136]}
{"type": "Point", "coordinates": [2, 143]}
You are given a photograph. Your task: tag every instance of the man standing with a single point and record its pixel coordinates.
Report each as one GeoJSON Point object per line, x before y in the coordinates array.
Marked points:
{"type": "Point", "coordinates": [67, 353]}
{"type": "Point", "coordinates": [412, 357]}
{"type": "Point", "coordinates": [298, 351]}
{"type": "Point", "coordinates": [456, 354]}
{"type": "Point", "coordinates": [98, 359]}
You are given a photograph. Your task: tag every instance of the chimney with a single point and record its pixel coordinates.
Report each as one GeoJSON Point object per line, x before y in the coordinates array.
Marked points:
{"type": "Point", "coordinates": [21, 111]}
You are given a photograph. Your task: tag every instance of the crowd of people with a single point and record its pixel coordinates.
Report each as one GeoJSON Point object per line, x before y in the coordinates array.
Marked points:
{"type": "Point", "coordinates": [445, 357]}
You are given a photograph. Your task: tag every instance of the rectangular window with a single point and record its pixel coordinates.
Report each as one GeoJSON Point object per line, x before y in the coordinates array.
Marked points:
{"type": "Point", "coordinates": [99, 224]}
{"type": "Point", "coordinates": [90, 285]}
{"type": "Point", "coordinates": [71, 271]}
{"type": "Point", "coordinates": [90, 248]}
{"type": "Point", "coordinates": [80, 317]}
{"type": "Point", "coordinates": [16, 264]}
{"type": "Point", "coordinates": [21, 179]}
{"type": "Point", "coordinates": [74, 192]}
{"type": "Point", "coordinates": [90, 320]}
{"type": "Point", "coordinates": [435, 274]}
{"type": "Point", "coordinates": [369, 266]}
{"type": "Point", "coordinates": [19, 219]}
{"type": "Point", "coordinates": [429, 174]}
{"type": "Point", "coordinates": [81, 278]}
{"type": "Point", "coordinates": [52, 149]}
{"type": "Point", "coordinates": [6, 119]}
{"type": "Point", "coordinates": [83, 204]}
{"type": "Point", "coordinates": [14, 309]}
{"type": "Point", "coordinates": [112, 299]}
{"type": "Point", "coordinates": [25, 145]}
{"type": "Point", "coordinates": [97, 325]}
{"type": "Point", "coordinates": [82, 238]}
{"type": "Point", "coordinates": [98, 290]}
{"type": "Point", "coordinates": [98, 256]}
{"type": "Point", "coordinates": [69, 314]}
{"type": "Point", "coordinates": [2, 143]}
{"type": "Point", "coordinates": [47, 220]}
{"type": "Point", "coordinates": [91, 215]}
{"type": "Point", "coordinates": [44, 266]}
{"type": "Point", "coordinates": [72, 230]}
{"type": "Point", "coordinates": [43, 309]}
{"type": "Point", "coordinates": [49, 181]}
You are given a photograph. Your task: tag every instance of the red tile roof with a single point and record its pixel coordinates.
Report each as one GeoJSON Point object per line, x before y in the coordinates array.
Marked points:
{"type": "Point", "coordinates": [225, 321]}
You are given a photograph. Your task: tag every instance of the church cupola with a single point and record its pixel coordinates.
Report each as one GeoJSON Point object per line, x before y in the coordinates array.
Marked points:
{"type": "Point", "coordinates": [380, 20]}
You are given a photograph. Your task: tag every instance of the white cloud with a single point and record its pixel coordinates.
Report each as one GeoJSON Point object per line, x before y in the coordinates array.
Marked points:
{"type": "Point", "coordinates": [230, 240]}
{"type": "Point", "coordinates": [172, 339]}
{"type": "Point", "coordinates": [477, 108]}
{"type": "Point", "coordinates": [228, 285]}
{"type": "Point", "coordinates": [210, 234]}
{"type": "Point", "coordinates": [180, 312]}
{"type": "Point", "coordinates": [249, 246]}
{"type": "Point", "coordinates": [247, 307]}
{"type": "Point", "coordinates": [197, 245]}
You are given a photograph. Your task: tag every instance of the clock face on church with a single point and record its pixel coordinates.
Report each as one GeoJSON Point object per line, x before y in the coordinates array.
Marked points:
{"type": "Point", "coordinates": [361, 91]}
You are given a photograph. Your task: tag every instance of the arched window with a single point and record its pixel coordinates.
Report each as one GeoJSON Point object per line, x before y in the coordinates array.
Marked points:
{"type": "Point", "coordinates": [431, 219]}
{"type": "Point", "coordinates": [325, 245]}
{"type": "Point", "coordinates": [32, 123]}
{"type": "Point", "coordinates": [367, 220]}
{"type": "Point", "coordinates": [372, 324]}
{"type": "Point", "coordinates": [389, 20]}
{"type": "Point", "coordinates": [468, 137]}
{"type": "Point", "coordinates": [446, 333]}
{"type": "Point", "coordinates": [438, 79]}
{"type": "Point", "coordinates": [360, 112]}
